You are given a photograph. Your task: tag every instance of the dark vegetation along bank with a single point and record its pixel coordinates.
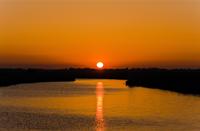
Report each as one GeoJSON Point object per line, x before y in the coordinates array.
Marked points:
{"type": "Point", "coordinates": [17, 76]}
{"type": "Point", "coordinates": [179, 80]}
{"type": "Point", "coordinates": [183, 81]}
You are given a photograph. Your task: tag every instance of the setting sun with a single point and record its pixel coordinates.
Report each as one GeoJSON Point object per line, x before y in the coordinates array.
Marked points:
{"type": "Point", "coordinates": [100, 65]}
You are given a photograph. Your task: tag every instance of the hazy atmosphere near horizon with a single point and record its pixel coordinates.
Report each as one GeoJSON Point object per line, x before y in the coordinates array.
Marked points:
{"type": "Point", "coordinates": [120, 33]}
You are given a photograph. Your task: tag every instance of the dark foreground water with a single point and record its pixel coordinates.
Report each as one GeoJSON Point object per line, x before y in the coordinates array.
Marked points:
{"type": "Point", "coordinates": [96, 105]}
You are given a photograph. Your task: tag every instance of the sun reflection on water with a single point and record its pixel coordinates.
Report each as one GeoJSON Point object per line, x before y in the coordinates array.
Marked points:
{"type": "Point", "coordinates": [100, 124]}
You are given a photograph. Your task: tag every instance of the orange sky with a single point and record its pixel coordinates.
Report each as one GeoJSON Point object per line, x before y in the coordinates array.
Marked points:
{"type": "Point", "coordinates": [121, 33]}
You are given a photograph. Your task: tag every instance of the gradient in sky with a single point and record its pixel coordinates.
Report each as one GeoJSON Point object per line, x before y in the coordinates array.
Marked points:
{"type": "Point", "coordinates": [120, 33]}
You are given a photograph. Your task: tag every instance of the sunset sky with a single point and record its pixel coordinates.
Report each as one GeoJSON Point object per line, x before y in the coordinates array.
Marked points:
{"type": "Point", "coordinates": [120, 33]}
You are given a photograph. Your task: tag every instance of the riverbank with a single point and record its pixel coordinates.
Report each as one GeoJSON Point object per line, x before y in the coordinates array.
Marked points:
{"type": "Point", "coordinates": [179, 80]}
{"type": "Point", "coordinates": [18, 76]}
{"type": "Point", "coordinates": [183, 81]}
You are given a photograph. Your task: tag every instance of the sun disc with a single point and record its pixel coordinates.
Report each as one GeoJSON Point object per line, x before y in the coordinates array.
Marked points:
{"type": "Point", "coordinates": [100, 65]}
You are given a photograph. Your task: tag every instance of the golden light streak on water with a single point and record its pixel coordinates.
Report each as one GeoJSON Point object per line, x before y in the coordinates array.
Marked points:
{"type": "Point", "coordinates": [100, 123]}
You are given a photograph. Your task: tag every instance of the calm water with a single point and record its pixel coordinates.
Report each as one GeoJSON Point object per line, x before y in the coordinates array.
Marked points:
{"type": "Point", "coordinates": [95, 105]}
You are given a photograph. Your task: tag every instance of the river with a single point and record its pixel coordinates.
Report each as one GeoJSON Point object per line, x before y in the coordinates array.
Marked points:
{"type": "Point", "coordinates": [96, 104]}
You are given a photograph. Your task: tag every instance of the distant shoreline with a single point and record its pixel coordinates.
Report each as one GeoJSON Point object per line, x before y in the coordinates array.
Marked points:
{"type": "Point", "coordinates": [182, 81]}
{"type": "Point", "coordinates": [10, 77]}
{"type": "Point", "coordinates": [185, 81]}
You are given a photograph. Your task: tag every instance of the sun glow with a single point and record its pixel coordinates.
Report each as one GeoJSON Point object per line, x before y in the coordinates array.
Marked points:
{"type": "Point", "coordinates": [100, 65]}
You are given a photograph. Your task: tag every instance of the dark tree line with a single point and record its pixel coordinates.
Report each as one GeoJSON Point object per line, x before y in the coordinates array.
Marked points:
{"type": "Point", "coordinates": [180, 80]}
{"type": "Point", "coordinates": [17, 76]}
